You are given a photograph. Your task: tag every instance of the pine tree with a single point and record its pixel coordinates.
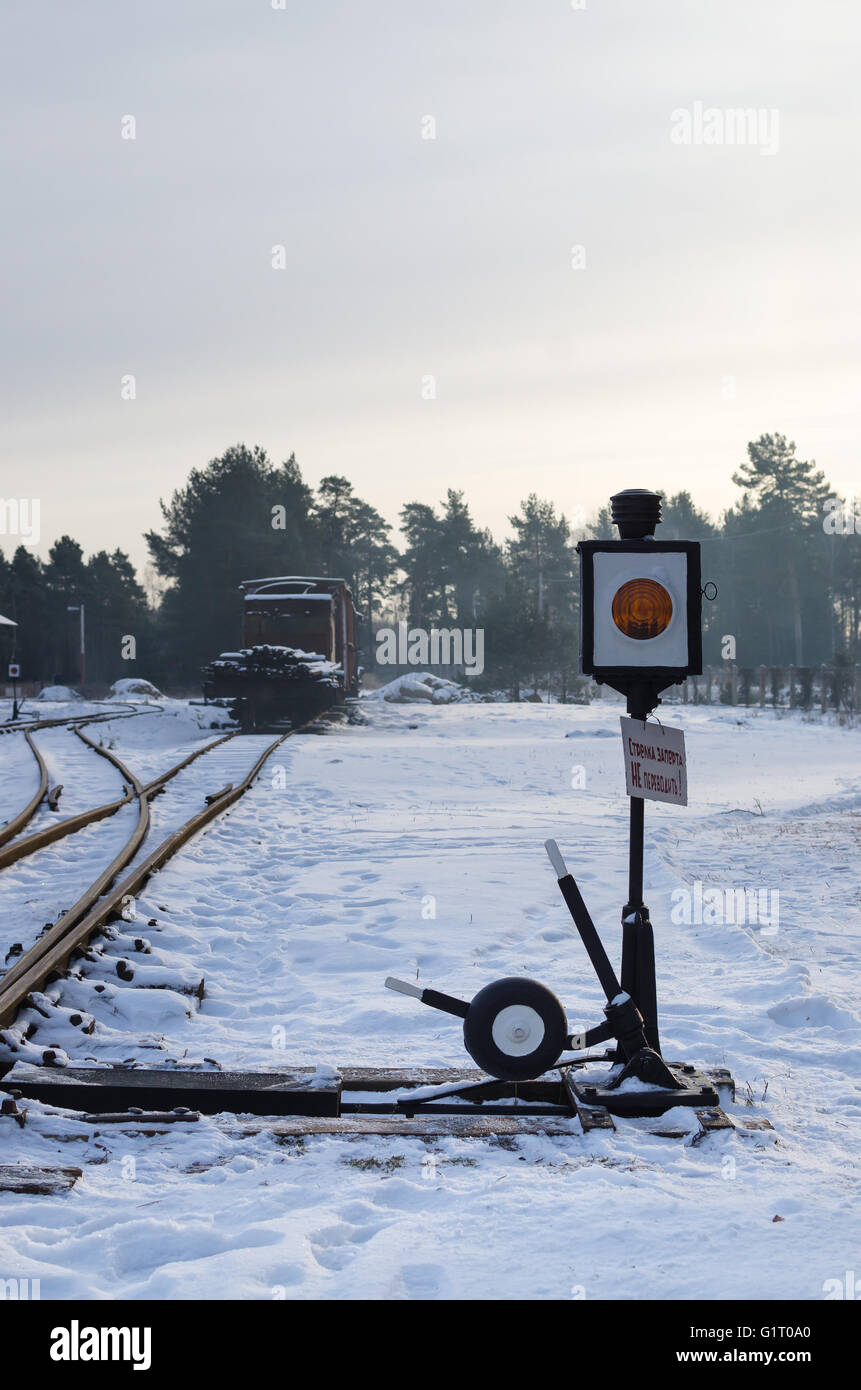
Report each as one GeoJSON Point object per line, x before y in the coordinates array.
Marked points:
{"type": "Point", "coordinates": [117, 609]}
{"type": "Point", "coordinates": [240, 517]}
{"type": "Point", "coordinates": [354, 543]}
{"type": "Point", "coordinates": [789, 495]}
{"type": "Point", "coordinates": [422, 564]}
{"type": "Point", "coordinates": [544, 569]}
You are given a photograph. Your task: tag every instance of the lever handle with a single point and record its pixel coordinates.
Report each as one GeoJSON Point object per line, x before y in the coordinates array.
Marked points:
{"type": "Point", "coordinates": [403, 988]}
{"type": "Point", "coordinates": [555, 857]}
{"type": "Point", "coordinates": [584, 924]}
{"type": "Point", "coordinates": [445, 1002]}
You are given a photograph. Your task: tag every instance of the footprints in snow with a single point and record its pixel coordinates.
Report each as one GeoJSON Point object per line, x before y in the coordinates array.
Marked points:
{"type": "Point", "coordinates": [335, 1247]}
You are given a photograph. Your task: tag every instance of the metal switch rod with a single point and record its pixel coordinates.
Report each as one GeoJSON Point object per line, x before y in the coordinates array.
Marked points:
{"type": "Point", "coordinates": [584, 924]}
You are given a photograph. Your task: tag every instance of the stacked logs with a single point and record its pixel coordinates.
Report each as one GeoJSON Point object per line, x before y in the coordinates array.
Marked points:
{"type": "Point", "coordinates": [268, 663]}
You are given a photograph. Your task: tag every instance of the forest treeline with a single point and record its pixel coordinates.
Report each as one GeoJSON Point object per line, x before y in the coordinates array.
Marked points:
{"type": "Point", "coordinates": [785, 557]}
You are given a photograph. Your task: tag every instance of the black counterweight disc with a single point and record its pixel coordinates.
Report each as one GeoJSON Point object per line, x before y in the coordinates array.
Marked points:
{"type": "Point", "coordinates": [515, 1029]}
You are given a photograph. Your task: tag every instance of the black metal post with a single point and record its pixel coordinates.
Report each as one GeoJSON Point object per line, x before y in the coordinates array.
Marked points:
{"type": "Point", "coordinates": [635, 854]}
{"type": "Point", "coordinates": [638, 938]}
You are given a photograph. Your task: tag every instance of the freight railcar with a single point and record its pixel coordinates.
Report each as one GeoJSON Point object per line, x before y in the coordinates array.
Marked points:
{"type": "Point", "coordinates": [299, 652]}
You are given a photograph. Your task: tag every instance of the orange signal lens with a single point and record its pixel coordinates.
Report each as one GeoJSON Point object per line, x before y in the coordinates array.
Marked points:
{"type": "Point", "coordinates": [642, 608]}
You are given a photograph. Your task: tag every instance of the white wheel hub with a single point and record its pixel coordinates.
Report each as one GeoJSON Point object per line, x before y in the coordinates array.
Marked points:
{"type": "Point", "coordinates": [517, 1030]}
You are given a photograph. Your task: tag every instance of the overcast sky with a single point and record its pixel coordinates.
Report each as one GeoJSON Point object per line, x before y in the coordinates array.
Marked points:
{"type": "Point", "coordinates": [718, 300]}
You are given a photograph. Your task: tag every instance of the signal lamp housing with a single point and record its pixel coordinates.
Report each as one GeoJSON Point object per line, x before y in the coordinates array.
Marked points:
{"type": "Point", "coordinates": [640, 613]}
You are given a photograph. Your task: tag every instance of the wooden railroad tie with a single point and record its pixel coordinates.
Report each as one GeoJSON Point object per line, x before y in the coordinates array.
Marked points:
{"type": "Point", "coordinates": [408, 1101]}
{"type": "Point", "coordinates": [32, 1180]}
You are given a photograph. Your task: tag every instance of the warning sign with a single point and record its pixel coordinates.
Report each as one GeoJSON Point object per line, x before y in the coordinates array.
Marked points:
{"type": "Point", "coordinates": [655, 763]}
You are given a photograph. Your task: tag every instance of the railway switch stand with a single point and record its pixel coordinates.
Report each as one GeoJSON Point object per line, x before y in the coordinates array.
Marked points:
{"type": "Point", "coordinates": [640, 632]}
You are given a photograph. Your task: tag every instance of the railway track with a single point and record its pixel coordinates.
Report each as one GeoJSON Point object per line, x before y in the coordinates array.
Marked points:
{"type": "Point", "coordinates": [18, 822]}
{"type": "Point", "coordinates": [19, 726]}
{"type": "Point", "coordinates": [48, 958]}
{"type": "Point", "coordinates": [20, 848]}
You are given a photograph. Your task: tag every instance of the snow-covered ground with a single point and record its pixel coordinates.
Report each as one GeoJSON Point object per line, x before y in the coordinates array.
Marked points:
{"type": "Point", "coordinates": [413, 847]}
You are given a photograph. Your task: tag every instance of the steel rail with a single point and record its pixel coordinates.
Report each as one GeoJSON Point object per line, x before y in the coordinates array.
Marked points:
{"type": "Point", "coordinates": [29, 844]}
{"type": "Point", "coordinates": [17, 824]}
{"type": "Point", "coordinates": [11, 828]}
{"type": "Point", "coordinates": [127, 853]}
{"type": "Point", "coordinates": [74, 914]}
{"type": "Point", "coordinates": [103, 716]}
{"type": "Point", "coordinates": [49, 956]}
{"type": "Point", "coordinates": [154, 787]}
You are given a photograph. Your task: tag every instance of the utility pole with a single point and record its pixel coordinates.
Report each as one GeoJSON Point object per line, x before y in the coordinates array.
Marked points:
{"type": "Point", "coordinates": [79, 608]}
{"type": "Point", "coordinates": [14, 672]}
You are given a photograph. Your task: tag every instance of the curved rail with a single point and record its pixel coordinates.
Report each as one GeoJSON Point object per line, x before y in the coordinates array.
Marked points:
{"type": "Point", "coordinates": [23, 818]}
{"type": "Point", "coordinates": [87, 899]}
{"type": "Point", "coordinates": [11, 828]}
{"type": "Point", "coordinates": [157, 784]}
{"type": "Point", "coordinates": [67, 921]}
{"type": "Point", "coordinates": [28, 844]}
{"type": "Point", "coordinates": [105, 716]}
{"type": "Point", "coordinates": [60, 829]}
{"type": "Point", "coordinates": [49, 956]}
